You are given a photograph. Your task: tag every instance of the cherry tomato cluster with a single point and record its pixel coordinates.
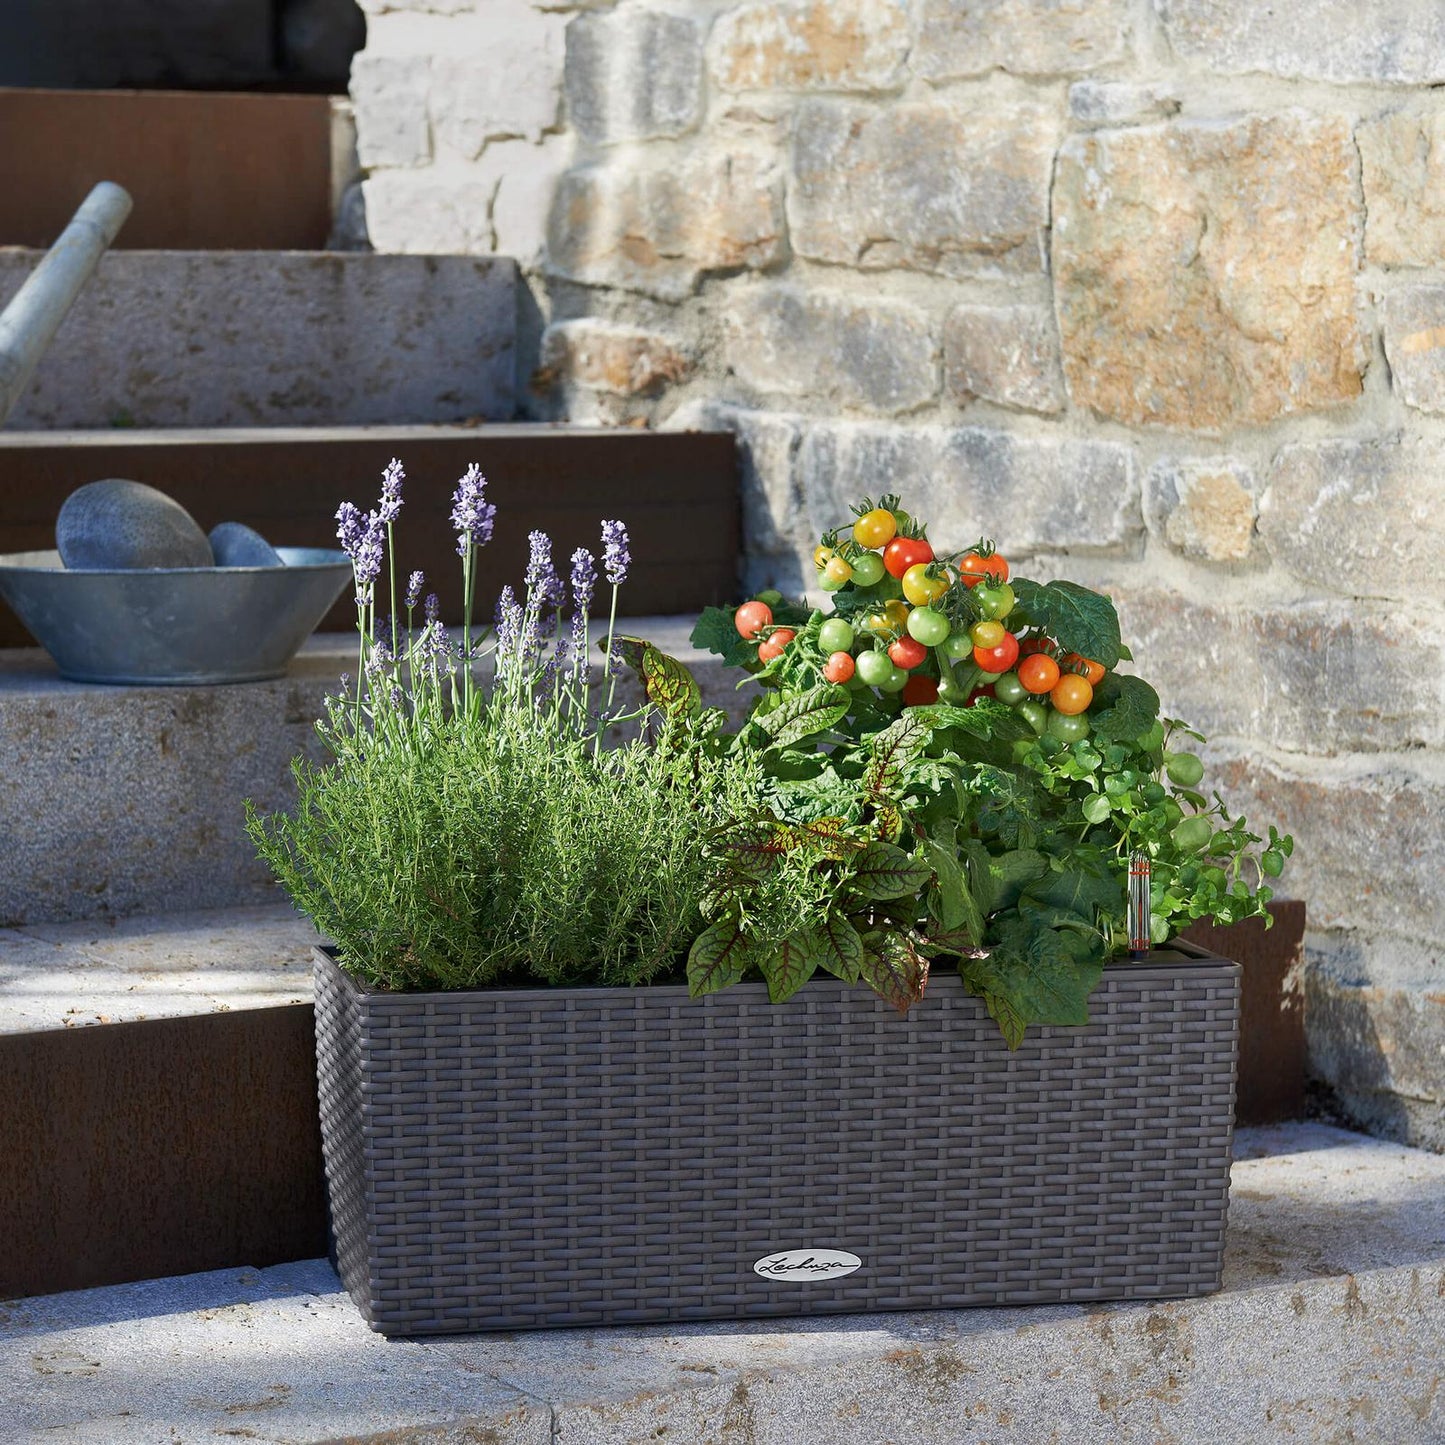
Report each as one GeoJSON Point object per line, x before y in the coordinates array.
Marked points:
{"type": "Point", "coordinates": [930, 627]}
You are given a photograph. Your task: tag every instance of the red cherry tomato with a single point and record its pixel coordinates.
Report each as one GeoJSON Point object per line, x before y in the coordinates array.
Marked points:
{"type": "Point", "coordinates": [985, 691]}
{"type": "Point", "coordinates": [1088, 668]}
{"type": "Point", "coordinates": [919, 690]}
{"type": "Point", "coordinates": [1033, 644]}
{"type": "Point", "coordinates": [1000, 658]}
{"type": "Point", "coordinates": [974, 568]}
{"type": "Point", "coordinates": [907, 653]}
{"type": "Point", "coordinates": [775, 643]}
{"type": "Point", "coordinates": [905, 552]}
{"type": "Point", "coordinates": [996, 567]}
{"type": "Point", "coordinates": [752, 617]}
{"type": "Point", "coordinates": [840, 667]}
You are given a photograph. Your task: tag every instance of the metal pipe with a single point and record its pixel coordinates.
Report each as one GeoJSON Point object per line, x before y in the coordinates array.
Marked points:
{"type": "Point", "coordinates": [30, 321]}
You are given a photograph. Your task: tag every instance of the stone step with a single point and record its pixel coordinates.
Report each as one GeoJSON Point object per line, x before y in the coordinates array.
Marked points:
{"type": "Point", "coordinates": [677, 492]}
{"type": "Point", "coordinates": [1331, 1326]}
{"type": "Point", "coordinates": [266, 338]}
{"type": "Point", "coordinates": [201, 166]}
{"type": "Point", "coordinates": [133, 795]}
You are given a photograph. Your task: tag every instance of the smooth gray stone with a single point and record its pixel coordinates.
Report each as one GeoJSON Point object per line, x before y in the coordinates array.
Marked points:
{"type": "Point", "coordinates": [237, 545]}
{"type": "Point", "coordinates": [113, 524]}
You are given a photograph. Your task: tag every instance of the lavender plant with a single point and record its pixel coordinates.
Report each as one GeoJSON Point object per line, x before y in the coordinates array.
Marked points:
{"type": "Point", "coordinates": [464, 830]}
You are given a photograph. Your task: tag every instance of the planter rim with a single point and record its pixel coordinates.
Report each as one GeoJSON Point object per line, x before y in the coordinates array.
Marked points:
{"type": "Point", "coordinates": [1179, 955]}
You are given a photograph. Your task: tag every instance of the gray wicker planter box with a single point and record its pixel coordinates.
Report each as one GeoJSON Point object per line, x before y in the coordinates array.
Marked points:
{"type": "Point", "coordinates": [506, 1159]}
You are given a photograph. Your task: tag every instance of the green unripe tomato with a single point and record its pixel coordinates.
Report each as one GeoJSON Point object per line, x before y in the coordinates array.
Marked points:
{"type": "Point", "coordinates": [957, 647]}
{"type": "Point", "coordinates": [1007, 688]}
{"type": "Point", "coordinates": [1184, 769]}
{"type": "Point", "coordinates": [770, 596]}
{"type": "Point", "coordinates": [1036, 715]}
{"type": "Point", "coordinates": [835, 635]}
{"type": "Point", "coordinates": [927, 626]}
{"type": "Point", "coordinates": [833, 580]}
{"type": "Point", "coordinates": [1191, 834]}
{"type": "Point", "coordinates": [896, 680]}
{"type": "Point", "coordinates": [1068, 727]}
{"type": "Point", "coordinates": [997, 601]}
{"type": "Point", "coordinates": [875, 667]}
{"type": "Point", "coordinates": [867, 569]}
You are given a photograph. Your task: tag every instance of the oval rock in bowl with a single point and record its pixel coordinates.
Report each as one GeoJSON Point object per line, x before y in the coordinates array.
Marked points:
{"type": "Point", "coordinates": [112, 525]}
{"type": "Point", "coordinates": [173, 625]}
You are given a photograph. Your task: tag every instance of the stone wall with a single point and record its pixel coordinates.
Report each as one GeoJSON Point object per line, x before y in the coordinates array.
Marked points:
{"type": "Point", "coordinates": [1152, 293]}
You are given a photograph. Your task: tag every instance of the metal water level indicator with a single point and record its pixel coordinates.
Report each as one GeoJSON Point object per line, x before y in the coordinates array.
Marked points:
{"type": "Point", "coordinates": [1140, 940]}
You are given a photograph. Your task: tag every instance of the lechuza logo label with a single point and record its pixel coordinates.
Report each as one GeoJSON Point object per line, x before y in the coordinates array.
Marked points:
{"type": "Point", "coordinates": [807, 1266]}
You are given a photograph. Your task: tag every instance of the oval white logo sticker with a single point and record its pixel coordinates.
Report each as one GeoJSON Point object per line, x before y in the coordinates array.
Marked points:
{"type": "Point", "coordinates": [802, 1266]}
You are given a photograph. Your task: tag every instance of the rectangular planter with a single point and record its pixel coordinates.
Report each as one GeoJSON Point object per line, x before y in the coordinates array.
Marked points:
{"type": "Point", "coordinates": [508, 1159]}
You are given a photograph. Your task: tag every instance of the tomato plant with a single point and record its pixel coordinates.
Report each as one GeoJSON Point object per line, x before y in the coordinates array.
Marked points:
{"type": "Point", "coordinates": [986, 815]}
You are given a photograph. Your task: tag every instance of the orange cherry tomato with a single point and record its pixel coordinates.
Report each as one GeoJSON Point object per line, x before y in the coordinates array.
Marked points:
{"type": "Point", "coordinates": [1039, 673]}
{"type": "Point", "coordinates": [752, 617]}
{"type": "Point", "coordinates": [1000, 658]}
{"type": "Point", "coordinates": [839, 667]}
{"type": "Point", "coordinates": [775, 643]}
{"type": "Point", "coordinates": [1071, 694]}
{"type": "Point", "coordinates": [1094, 671]}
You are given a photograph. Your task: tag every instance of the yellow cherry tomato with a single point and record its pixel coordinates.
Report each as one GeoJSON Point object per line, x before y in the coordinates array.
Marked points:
{"type": "Point", "coordinates": [875, 529]}
{"type": "Point", "coordinates": [878, 623]}
{"type": "Point", "coordinates": [822, 555]}
{"type": "Point", "coordinates": [986, 634]}
{"type": "Point", "coordinates": [921, 589]}
{"type": "Point", "coordinates": [837, 571]}
{"type": "Point", "coordinates": [897, 610]}
{"type": "Point", "coordinates": [1071, 694]}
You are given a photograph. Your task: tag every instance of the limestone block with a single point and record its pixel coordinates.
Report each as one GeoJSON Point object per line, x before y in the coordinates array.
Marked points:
{"type": "Point", "coordinates": [1190, 293]}
{"type": "Point", "coordinates": [1370, 849]}
{"type": "Point", "coordinates": [633, 74]}
{"type": "Point", "coordinates": [922, 186]}
{"type": "Point", "coordinates": [500, 79]}
{"type": "Point", "coordinates": [523, 179]}
{"type": "Point", "coordinates": [390, 94]}
{"type": "Point", "coordinates": [1004, 354]}
{"type": "Point", "coordinates": [610, 357]}
{"type": "Point", "coordinates": [426, 7]}
{"type": "Point", "coordinates": [1402, 167]}
{"type": "Point", "coordinates": [1358, 518]}
{"type": "Point", "coordinates": [438, 210]}
{"type": "Point", "coordinates": [1095, 103]}
{"type": "Point", "coordinates": [1031, 494]}
{"type": "Point", "coordinates": [1027, 37]}
{"type": "Point", "coordinates": [1378, 1045]}
{"type": "Point", "coordinates": [810, 45]}
{"type": "Point", "coordinates": [657, 228]}
{"type": "Point", "coordinates": [875, 356]}
{"type": "Point", "coordinates": [1317, 677]}
{"type": "Point", "coordinates": [1204, 507]}
{"type": "Point", "coordinates": [1389, 42]}
{"type": "Point", "coordinates": [1415, 345]}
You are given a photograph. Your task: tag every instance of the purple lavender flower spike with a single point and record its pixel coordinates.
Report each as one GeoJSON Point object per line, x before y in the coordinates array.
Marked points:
{"type": "Point", "coordinates": [367, 553]}
{"type": "Point", "coordinates": [584, 578]}
{"type": "Point", "coordinates": [616, 556]}
{"type": "Point", "coordinates": [391, 480]}
{"type": "Point", "coordinates": [433, 607]}
{"type": "Point", "coordinates": [544, 586]}
{"type": "Point", "coordinates": [350, 526]}
{"type": "Point", "coordinates": [472, 515]}
{"type": "Point", "coordinates": [414, 584]}
{"type": "Point", "coordinates": [616, 664]}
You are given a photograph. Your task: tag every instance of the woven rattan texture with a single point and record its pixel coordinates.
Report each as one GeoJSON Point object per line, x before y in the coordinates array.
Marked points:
{"type": "Point", "coordinates": [569, 1157]}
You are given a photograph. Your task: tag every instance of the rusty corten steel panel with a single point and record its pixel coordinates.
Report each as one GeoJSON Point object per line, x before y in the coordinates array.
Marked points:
{"type": "Point", "coordinates": [208, 171]}
{"type": "Point", "coordinates": [677, 492]}
{"type": "Point", "coordinates": [1271, 1016]}
{"type": "Point", "coordinates": [170, 1146]}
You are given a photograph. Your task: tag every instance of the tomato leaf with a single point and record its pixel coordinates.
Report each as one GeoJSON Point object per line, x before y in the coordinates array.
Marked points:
{"type": "Point", "coordinates": [1124, 708]}
{"type": "Point", "coordinates": [1078, 619]}
{"type": "Point", "coordinates": [716, 632]}
{"type": "Point", "coordinates": [804, 714]}
{"type": "Point", "coordinates": [893, 968]}
{"type": "Point", "coordinates": [720, 956]}
{"type": "Point", "coordinates": [792, 965]}
{"type": "Point", "coordinates": [1034, 973]}
{"type": "Point", "coordinates": [883, 870]}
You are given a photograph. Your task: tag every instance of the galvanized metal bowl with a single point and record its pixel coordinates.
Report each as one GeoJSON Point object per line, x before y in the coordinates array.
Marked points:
{"type": "Point", "coordinates": [173, 625]}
